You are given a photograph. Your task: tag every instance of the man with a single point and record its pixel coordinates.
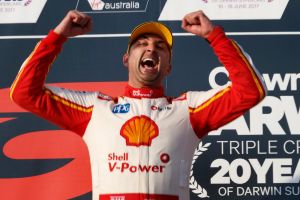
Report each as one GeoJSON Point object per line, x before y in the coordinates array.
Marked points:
{"type": "Point", "coordinates": [141, 144]}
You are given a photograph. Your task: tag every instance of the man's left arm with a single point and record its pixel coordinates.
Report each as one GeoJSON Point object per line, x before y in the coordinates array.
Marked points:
{"type": "Point", "coordinates": [218, 107]}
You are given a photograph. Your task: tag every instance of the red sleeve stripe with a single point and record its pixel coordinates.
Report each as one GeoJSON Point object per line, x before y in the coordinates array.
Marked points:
{"type": "Point", "coordinates": [209, 101]}
{"type": "Point", "coordinates": [21, 71]}
{"type": "Point", "coordinates": [68, 103]}
{"type": "Point", "coordinates": [254, 75]}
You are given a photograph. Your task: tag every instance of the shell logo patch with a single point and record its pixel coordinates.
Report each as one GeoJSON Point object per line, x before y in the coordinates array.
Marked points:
{"type": "Point", "coordinates": [139, 130]}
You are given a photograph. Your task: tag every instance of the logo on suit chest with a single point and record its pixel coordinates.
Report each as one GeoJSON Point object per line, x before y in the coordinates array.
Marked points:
{"type": "Point", "coordinates": [121, 108]}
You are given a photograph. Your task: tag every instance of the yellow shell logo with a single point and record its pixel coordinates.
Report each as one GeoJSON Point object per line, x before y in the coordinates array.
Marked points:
{"type": "Point", "coordinates": [139, 130]}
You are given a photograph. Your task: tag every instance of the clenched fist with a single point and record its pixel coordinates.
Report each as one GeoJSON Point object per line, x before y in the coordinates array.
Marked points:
{"type": "Point", "coordinates": [198, 24]}
{"type": "Point", "coordinates": [74, 23]}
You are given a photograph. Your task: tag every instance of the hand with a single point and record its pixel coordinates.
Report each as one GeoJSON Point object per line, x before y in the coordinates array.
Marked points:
{"type": "Point", "coordinates": [198, 24]}
{"type": "Point", "coordinates": [74, 23]}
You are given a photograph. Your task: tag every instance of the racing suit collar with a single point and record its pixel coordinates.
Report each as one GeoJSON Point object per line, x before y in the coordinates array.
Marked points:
{"type": "Point", "coordinates": [144, 92]}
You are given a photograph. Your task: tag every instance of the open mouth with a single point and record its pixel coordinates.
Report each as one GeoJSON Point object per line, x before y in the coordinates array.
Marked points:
{"type": "Point", "coordinates": [149, 65]}
{"type": "Point", "coordinates": [148, 62]}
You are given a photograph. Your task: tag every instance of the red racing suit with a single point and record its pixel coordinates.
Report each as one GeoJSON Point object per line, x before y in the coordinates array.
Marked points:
{"type": "Point", "coordinates": [141, 144]}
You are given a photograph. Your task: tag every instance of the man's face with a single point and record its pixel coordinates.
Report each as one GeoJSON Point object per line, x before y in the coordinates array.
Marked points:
{"type": "Point", "coordinates": [148, 61]}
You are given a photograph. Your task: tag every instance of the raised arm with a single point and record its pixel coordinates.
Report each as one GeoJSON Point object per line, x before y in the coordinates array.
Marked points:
{"type": "Point", "coordinates": [213, 109]}
{"type": "Point", "coordinates": [68, 109]}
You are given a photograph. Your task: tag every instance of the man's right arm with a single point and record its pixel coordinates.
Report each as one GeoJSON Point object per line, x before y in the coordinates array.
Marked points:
{"type": "Point", "coordinates": [68, 109]}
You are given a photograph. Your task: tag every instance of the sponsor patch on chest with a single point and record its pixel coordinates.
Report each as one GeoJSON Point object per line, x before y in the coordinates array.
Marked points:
{"type": "Point", "coordinates": [121, 108]}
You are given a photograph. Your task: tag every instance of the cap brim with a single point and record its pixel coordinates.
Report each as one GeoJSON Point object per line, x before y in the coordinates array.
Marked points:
{"type": "Point", "coordinates": [155, 28]}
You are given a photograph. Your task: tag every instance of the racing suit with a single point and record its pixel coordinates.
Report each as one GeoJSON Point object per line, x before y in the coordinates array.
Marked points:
{"type": "Point", "coordinates": [141, 144]}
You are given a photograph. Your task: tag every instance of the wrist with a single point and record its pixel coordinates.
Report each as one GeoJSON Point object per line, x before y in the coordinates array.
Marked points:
{"type": "Point", "coordinates": [55, 38]}
{"type": "Point", "coordinates": [218, 30]}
